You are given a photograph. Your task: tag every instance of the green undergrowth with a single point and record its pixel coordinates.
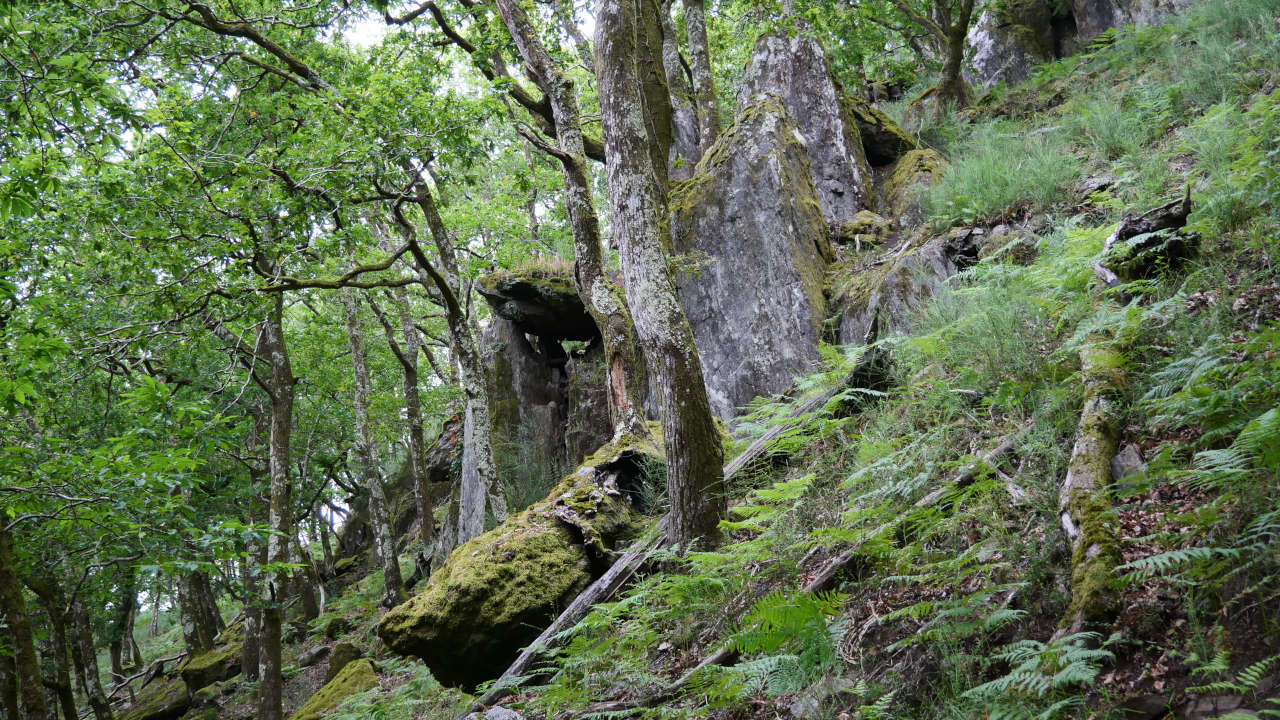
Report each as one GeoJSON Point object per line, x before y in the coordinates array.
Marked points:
{"type": "Point", "coordinates": [951, 600]}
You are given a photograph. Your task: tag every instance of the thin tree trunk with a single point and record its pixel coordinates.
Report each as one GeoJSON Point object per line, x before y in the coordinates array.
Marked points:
{"type": "Point", "coordinates": [86, 661]}
{"type": "Point", "coordinates": [326, 546]}
{"type": "Point", "coordinates": [407, 354]}
{"type": "Point", "coordinates": [8, 678]}
{"type": "Point", "coordinates": [26, 664]}
{"type": "Point", "coordinates": [704, 85]}
{"type": "Point", "coordinates": [280, 383]}
{"type": "Point", "coordinates": [685, 149]}
{"type": "Point", "coordinates": [695, 479]}
{"type": "Point", "coordinates": [304, 582]}
{"type": "Point", "coordinates": [480, 471]}
{"type": "Point", "coordinates": [627, 375]}
{"type": "Point", "coordinates": [384, 542]}
{"type": "Point", "coordinates": [254, 550]}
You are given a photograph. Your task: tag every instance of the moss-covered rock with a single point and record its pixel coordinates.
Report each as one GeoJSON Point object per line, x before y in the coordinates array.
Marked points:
{"type": "Point", "coordinates": [356, 677]}
{"type": "Point", "coordinates": [866, 229]}
{"type": "Point", "coordinates": [1149, 255]}
{"type": "Point", "coordinates": [493, 594]}
{"type": "Point", "coordinates": [343, 654]}
{"type": "Point", "coordinates": [540, 302]}
{"type": "Point", "coordinates": [216, 665]}
{"type": "Point", "coordinates": [883, 139]}
{"type": "Point", "coordinates": [166, 700]}
{"type": "Point", "coordinates": [901, 183]}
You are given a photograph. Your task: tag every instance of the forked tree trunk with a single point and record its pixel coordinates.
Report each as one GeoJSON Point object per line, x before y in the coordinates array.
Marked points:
{"type": "Point", "coordinates": [26, 664]}
{"type": "Point", "coordinates": [55, 650]}
{"type": "Point", "coordinates": [407, 354]}
{"type": "Point", "coordinates": [695, 481]}
{"type": "Point", "coordinates": [626, 374]}
{"type": "Point", "coordinates": [280, 382]}
{"type": "Point", "coordinates": [704, 86]}
{"type": "Point", "coordinates": [478, 468]}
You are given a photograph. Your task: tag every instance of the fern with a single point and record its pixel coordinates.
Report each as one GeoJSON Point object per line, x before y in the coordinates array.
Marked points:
{"type": "Point", "coordinates": [1043, 676]}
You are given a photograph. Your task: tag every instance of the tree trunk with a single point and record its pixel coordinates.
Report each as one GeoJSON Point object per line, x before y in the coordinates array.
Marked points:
{"type": "Point", "coordinates": [685, 149]}
{"type": "Point", "coordinates": [695, 479]}
{"type": "Point", "coordinates": [198, 630]}
{"type": "Point", "coordinates": [953, 89]}
{"type": "Point", "coordinates": [255, 552]}
{"type": "Point", "coordinates": [8, 678]}
{"type": "Point", "coordinates": [86, 661]}
{"type": "Point", "coordinates": [280, 382]}
{"type": "Point", "coordinates": [55, 651]}
{"type": "Point", "coordinates": [384, 541]}
{"type": "Point", "coordinates": [304, 582]}
{"type": "Point", "coordinates": [626, 374]}
{"type": "Point", "coordinates": [126, 603]}
{"type": "Point", "coordinates": [478, 469]}
{"type": "Point", "coordinates": [26, 664]}
{"type": "Point", "coordinates": [704, 85]}
{"type": "Point", "coordinates": [408, 356]}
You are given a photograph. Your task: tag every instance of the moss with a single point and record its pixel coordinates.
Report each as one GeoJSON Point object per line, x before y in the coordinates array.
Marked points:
{"type": "Point", "coordinates": [218, 664]}
{"type": "Point", "coordinates": [164, 702]}
{"type": "Point", "coordinates": [917, 167]}
{"type": "Point", "coordinates": [343, 654]}
{"type": "Point", "coordinates": [864, 228]}
{"type": "Point", "coordinates": [356, 677]}
{"type": "Point", "coordinates": [883, 140]}
{"type": "Point", "coordinates": [1097, 554]}
{"type": "Point", "coordinates": [491, 596]}
{"type": "Point", "coordinates": [343, 565]}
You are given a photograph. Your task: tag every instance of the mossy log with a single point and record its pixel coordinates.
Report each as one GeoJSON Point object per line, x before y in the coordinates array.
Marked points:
{"type": "Point", "coordinates": [1085, 507]}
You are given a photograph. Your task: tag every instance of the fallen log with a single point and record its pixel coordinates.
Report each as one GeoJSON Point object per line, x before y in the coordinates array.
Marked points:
{"type": "Point", "coordinates": [1085, 508]}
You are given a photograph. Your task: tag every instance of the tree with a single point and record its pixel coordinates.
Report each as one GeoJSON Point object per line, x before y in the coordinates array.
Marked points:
{"type": "Point", "coordinates": [627, 374]}
{"type": "Point", "coordinates": [695, 479]}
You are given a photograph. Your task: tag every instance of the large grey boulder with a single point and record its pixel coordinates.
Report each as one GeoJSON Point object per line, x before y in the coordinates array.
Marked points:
{"type": "Point", "coordinates": [749, 221]}
{"type": "Point", "coordinates": [1009, 40]}
{"type": "Point", "coordinates": [796, 70]}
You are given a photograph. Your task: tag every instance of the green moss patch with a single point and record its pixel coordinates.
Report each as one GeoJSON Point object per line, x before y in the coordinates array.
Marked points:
{"type": "Point", "coordinates": [166, 701]}
{"type": "Point", "coordinates": [356, 677]}
{"type": "Point", "coordinates": [494, 594]}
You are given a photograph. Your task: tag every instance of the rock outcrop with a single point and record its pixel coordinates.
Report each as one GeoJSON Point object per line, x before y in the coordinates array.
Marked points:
{"type": "Point", "coordinates": [876, 300]}
{"type": "Point", "coordinates": [540, 303]}
{"type": "Point", "coordinates": [494, 593]}
{"type": "Point", "coordinates": [548, 405]}
{"type": "Point", "coordinates": [1009, 40]}
{"type": "Point", "coordinates": [1093, 17]}
{"type": "Point", "coordinates": [796, 70]}
{"type": "Point", "coordinates": [750, 221]}
{"type": "Point", "coordinates": [899, 185]}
